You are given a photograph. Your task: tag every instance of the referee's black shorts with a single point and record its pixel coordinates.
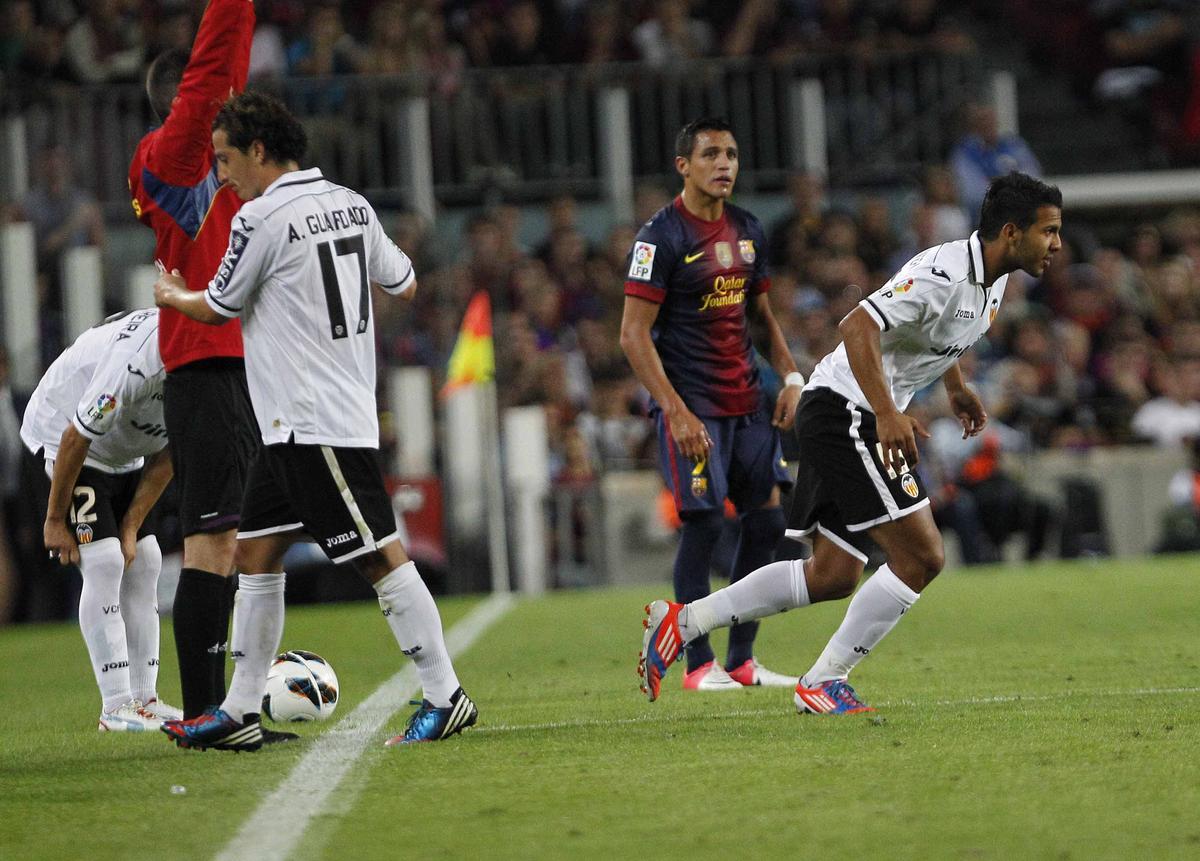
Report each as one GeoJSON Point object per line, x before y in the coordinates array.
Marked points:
{"type": "Point", "coordinates": [336, 495]}
{"type": "Point", "coordinates": [843, 487]}
{"type": "Point", "coordinates": [214, 438]}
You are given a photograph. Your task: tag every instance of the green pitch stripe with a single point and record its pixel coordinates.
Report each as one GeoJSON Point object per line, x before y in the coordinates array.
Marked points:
{"type": "Point", "coordinates": [278, 824]}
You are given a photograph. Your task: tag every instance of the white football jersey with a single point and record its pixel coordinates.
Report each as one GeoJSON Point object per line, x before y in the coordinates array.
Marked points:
{"type": "Point", "coordinates": [298, 270]}
{"type": "Point", "coordinates": [109, 384]}
{"type": "Point", "coordinates": [929, 313]}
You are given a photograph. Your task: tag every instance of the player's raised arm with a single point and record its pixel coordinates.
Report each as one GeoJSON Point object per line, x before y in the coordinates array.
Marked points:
{"type": "Point", "coordinates": [689, 432]}
{"type": "Point", "coordinates": [217, 68]}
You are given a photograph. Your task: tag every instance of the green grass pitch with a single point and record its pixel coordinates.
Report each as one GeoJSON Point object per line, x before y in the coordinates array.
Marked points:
{"type": "Point", "coordinates": [1044, 712]}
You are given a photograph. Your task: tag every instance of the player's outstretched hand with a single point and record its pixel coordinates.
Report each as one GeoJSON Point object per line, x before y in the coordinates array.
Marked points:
{"type": "Point", "coordinates": [690, 434]}
{"type": "Point", "coordinates": [898, 436]}
{"type": "Point", "coordinates": [60, 542]}
{"type": "Point", "coordinates": [969, 411]}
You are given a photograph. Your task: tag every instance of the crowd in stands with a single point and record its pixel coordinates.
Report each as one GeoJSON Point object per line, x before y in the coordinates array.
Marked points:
{"type": "Point", "coordinates": [95, 41]}
{"type": "Point", "coordinates": [1142, 56]}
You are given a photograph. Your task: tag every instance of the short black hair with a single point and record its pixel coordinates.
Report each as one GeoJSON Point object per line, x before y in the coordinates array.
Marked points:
{"type": "Point", "coordinates": [685, 141]}
{"type": "Point", "coordinates": [253, 116]}
{"type": "Point", "coordinates": [162, 80]}
{"type": "Point", "coordinates": [1015, 198]}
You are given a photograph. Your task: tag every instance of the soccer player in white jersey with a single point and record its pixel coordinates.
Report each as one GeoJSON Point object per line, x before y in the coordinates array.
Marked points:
{"type": "Point", "coordinates": [302, 255]}
{"type": "Point", "coordinates": [96, 418]}
{"type": "Point", "coordinates": [857, 448]}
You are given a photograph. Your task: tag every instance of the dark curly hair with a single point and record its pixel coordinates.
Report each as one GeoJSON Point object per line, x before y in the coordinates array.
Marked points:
{"type": "Point", "coordinates": [252, 116]}
{"type": "Point", "coordinates": [1014, 198]}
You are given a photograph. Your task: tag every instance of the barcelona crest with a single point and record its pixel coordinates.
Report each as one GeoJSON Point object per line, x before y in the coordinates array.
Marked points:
{"type": "Point", "coordinates": [724, 254]}
{"type": "Point", "coordinates": [746, 250]}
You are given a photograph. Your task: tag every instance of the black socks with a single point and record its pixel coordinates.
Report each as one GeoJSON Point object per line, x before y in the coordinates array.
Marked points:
{"type": "Point", "coordinates": [203, 602]}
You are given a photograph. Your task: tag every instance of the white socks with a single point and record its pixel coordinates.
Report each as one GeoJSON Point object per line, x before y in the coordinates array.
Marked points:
{"type": "Point", "coordinates": [257, 630]}
{"type": "Point", "coordinates": [765, 591]}
{"type": "Point", "coordinates": [874, 610]}
{"type": "Point", "coordinates": [139, 607]}
{"type": "Point", "coordinates": [100, 619]}
{"type": "Point", "coordinates": [417, 627]}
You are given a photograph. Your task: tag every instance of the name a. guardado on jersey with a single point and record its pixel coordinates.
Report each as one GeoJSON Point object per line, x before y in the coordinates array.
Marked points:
{"type": "Point", "coordinates": [328, 222]}
{"type": "Point", "coordinates": [726, 291]}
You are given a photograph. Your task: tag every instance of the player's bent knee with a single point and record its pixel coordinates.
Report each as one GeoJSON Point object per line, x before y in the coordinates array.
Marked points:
{"type": "Point", "coordinates": [149, 555]}
{"type": "Point", "coordinates": [102, 559]}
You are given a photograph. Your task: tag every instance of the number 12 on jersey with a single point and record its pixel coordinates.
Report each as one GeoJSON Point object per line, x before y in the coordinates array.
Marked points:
{"type": "Point", "coordinates": [333, 295]}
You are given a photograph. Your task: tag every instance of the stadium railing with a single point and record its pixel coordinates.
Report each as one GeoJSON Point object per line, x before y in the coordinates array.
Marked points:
{"type": "Point", "coordinates": [531, 133]}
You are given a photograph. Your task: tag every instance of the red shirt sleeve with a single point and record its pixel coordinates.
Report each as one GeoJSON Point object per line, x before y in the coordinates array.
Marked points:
{"type": "Point", "coordinates": [219, 62]}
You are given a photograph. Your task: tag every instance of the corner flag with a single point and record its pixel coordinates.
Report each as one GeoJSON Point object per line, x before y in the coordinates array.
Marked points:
{"type": "Point", "coordinates": [474, 358]}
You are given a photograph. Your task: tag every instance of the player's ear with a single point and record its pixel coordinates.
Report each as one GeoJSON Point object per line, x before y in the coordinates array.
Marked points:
{"type": "Point", "coordinates": [681, 165]}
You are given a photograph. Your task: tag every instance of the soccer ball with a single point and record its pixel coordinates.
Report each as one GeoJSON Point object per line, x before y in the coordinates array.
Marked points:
{"type": "Point", "coordinates": [300, 686]}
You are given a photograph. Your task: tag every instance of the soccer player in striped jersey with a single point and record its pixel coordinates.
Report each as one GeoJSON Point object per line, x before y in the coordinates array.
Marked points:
{"type": "Point", "coordinates": [302, 255]}
{"type": "Point", "coordinates": [858, 448]}
{"type": "Point", "coordinates": [697, 275]}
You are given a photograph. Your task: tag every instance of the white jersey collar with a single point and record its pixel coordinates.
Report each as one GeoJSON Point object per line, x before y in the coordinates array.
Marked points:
{"type": "Point", "coordinates": [975, 259]}
{"type": "Point", "coordinates": [294, 177]}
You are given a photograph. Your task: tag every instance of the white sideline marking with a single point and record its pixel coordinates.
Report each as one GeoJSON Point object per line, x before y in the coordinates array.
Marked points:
{"type": "Point", "coordinates": [742, 713]}
{"type": "Point", "coordinates": [278, 823]}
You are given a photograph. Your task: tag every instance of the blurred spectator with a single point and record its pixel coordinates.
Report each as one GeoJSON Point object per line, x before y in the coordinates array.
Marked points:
{"type": "Point", "coordinates": [672, 35]}
{"type": "Point", "coordinates": [391, 48]}
{"type": "Point", "coordinates": [1174, 417]}
{"type": "Point", "coordinates": [325, 48]}
{"type": "Point", "coordinates": [795, 232]}
{"type": "Point", "coordinates": [105, 45]}
{"type": "Point", "coordinates": [925, 24]}
{"type": "Point", "coordinates": [522, 41]}
{"type": "Point", "coordinates": [983, 154]}
{"type": "Point", "coordinates": [951, 221]}
{"type": "Point", "coordinates": [268, 51]}
{"type": "Point", "coordinates": [17, 33]}
{"type": "Point", "coordinates": [62, 213]}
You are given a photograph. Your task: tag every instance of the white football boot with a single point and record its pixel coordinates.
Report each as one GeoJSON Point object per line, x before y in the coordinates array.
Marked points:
{"type": "Point", "coordinates": [128, 717]}
{"type": "Point", "coordinates": [160, 711]}
{"type": "Point", "coordinates": [753, 673]}
{"type": "Point", "coordinates": [709, 677]}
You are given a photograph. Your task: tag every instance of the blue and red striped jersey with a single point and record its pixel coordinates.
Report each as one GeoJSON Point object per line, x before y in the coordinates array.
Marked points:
{"type": "Point", "coordinates": [702, 273]}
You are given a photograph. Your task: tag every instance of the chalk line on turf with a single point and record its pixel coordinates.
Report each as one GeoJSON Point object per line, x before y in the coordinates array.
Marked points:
{"type": "Point", "coordinates": [278, 824]}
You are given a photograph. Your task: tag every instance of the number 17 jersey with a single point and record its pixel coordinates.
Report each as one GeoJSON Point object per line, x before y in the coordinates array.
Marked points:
{"type": "Point", "coordinates": [298, 270]}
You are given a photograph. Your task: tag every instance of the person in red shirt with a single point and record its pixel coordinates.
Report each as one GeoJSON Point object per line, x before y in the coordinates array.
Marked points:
{"type": "Point", "coordinates": [175, 190]}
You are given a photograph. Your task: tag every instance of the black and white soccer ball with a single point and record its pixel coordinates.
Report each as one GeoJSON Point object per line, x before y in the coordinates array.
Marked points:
{"type": "Point", "coordinates": [300, 686]}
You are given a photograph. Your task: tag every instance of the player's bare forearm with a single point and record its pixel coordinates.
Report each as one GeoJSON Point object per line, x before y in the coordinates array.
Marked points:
{"type": "Point", "coordinates": [687, 429]}
{"type": "Point", "coordinates": [156, 475]}
{"type": "Point", "coordinates": [73, 448]}
{"type": "Point", "coordinates": [781, 356]}
{"type": "Point", "coordinates": [953, 379]}
{"type": "Point", "coordinates": [966, 405]}
{"type": "Point", "coordinates": [72, 451]}
{"type": "Point", "coordinates": [171, 291]}
{"type": "Point", "coordinates": [897, 432]}
{"type": "Point", "coordinates": [865, 353]}
{"type": "Point", "coordinates": [638, 317]}
{"type": "Point", "coordinates": [784, 415]}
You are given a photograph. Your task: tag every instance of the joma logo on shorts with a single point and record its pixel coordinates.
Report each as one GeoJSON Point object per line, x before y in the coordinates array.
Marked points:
{"type": "Point", "coordinates": [341, 539]}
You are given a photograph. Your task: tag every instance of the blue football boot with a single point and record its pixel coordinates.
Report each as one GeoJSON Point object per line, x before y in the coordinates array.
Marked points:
{"type": "Point", "coordinates": [429, 723]}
